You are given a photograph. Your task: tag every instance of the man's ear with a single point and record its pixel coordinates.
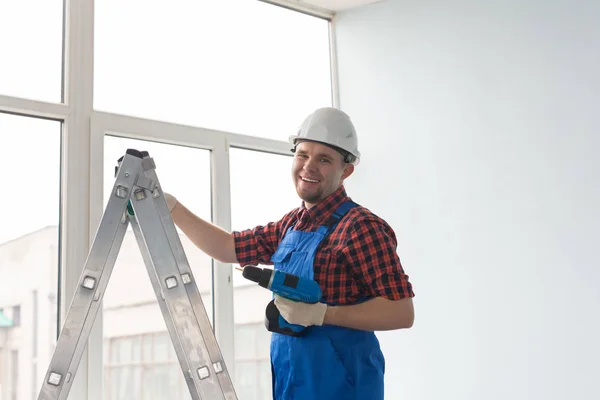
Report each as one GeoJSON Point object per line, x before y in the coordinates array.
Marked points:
{"type": "Point", "coordinates": [348, 170]}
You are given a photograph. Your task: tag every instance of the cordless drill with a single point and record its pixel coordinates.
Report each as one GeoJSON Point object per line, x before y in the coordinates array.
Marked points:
{"type": "Point", "coordinates": [285, 285]}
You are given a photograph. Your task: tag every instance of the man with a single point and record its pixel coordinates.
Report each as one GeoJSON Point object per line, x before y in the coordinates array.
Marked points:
{"type": "Point", "coordinates": [347, 249]}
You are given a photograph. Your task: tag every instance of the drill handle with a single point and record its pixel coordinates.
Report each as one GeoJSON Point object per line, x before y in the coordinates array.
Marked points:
{"type": "Point", "coordinates": [276, 323]}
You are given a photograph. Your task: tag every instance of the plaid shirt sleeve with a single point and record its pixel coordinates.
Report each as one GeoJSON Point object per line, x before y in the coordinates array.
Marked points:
{"type": "Point", "coordinates": [371, 254]}
{"type": "Point", "coordinates": [257, 245]}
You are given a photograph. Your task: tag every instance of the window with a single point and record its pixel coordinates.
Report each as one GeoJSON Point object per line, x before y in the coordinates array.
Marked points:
{"type": "Point", "coordinates": [29, 233]}
{"type": "Point", "coordinates": [31, 46]}
{"type": "Point", "coordinates": [256, 202]}
{"type": "Point", "coordinates": [131, 309]}
{"type": "Point", "coordinates": [235, 65]}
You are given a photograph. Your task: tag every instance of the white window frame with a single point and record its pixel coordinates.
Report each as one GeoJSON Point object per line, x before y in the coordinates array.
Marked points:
{"type": "Point", "coordinates": [82, 170]}
{"type": "Point", "coordinates": [218, 143]}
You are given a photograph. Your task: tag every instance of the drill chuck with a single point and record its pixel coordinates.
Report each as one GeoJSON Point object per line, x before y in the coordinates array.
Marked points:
{"type": "Point", "coordinates": [258, 275]}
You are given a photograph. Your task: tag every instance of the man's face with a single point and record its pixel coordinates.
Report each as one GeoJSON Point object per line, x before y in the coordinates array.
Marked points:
{"type": "Point", "coordinates": [317, 171]}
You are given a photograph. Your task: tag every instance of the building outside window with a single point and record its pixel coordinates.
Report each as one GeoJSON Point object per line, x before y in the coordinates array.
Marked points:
{"type": "Point", "coordinates": [143, 367]}
{"type": "Point", "coordinates": [16, 315]}
{"type": "Point", "coordinates": [29, 257]}
{"type": "Point", "coordinates": [14, 374]}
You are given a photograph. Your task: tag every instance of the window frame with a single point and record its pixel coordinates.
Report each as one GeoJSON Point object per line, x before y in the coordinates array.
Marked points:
{"type": "Point", "coordinates": [218, 143]}
{"type": "Point", "coordinates": [82, 151]}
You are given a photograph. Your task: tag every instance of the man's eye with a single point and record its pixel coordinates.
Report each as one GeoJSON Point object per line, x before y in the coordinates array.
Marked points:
{"type": "Point", "coordinates": [325, 160]}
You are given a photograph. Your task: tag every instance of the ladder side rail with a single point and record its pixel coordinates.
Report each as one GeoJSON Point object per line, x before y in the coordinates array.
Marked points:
{"type": "Point", "coordinates": [172, 284]}
{"type": "Point", "coordinates": [93, 280]}
{"type": "Point", "coordinates": [179, 350]}
{"type": "Point", "coordinates": [192, 289]}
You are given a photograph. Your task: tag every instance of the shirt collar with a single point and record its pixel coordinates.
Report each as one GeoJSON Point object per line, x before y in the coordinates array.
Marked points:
{"type": "Point", "coordinates": [323, 209]}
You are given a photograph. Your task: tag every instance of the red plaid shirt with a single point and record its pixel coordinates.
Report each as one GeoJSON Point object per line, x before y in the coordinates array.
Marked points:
{"type": "Point", "coordinates": [358, 259]}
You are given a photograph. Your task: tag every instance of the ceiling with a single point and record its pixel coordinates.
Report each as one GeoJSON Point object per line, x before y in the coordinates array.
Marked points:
{"type": "Point", "coordinates": [338, 5]}
{"type": "Point", "coordinates": [324, 6]}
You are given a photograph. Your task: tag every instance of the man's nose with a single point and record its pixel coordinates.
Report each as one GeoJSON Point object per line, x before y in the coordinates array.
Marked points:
{"type": "Point", "coordinates": [311, 165]}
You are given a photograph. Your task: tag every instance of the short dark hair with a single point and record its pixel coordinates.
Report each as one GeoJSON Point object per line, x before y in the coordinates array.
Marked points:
{"type": "Point", "coordinates": [347, 156]}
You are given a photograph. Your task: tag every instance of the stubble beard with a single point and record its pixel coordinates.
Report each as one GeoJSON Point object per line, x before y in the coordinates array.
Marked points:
{"type": "Point", "coordinates": [311, 198]}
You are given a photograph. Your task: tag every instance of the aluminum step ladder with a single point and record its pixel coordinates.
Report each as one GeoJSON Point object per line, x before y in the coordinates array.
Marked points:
{"type": "Point", "coordinates": [137, 198]}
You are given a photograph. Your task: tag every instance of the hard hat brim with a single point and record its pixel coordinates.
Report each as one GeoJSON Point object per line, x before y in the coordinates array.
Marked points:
{"type": "Point", "coordinates": [292, 139]}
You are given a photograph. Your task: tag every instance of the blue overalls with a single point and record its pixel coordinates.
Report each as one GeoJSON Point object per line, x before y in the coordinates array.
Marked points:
{"type": "Point", "coordinates": [328, 362]}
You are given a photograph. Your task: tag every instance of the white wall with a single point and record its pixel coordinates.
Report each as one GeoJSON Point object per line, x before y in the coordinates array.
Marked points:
{"type": "Point", "coordinates": [479, 125]}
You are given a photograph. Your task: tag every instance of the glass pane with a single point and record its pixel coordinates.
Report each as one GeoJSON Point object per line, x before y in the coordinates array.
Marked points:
{"type": "Point", "coordinates": [121, 350]}
{"type": "Point", "coordinates": [235, 65]}
{"type": "Point", "coordinates": [148, 383]}
{"type": "Point", "coordinates": [246, 374]}
{"type": "Point", "coordinates": [137, 349]}
{"type": "Point", "coordinates": [161, 382]}
{"type": "Point", "coordinates": [130, 306]}
{"type": "Point", "coordinates": [137, 383]}
{"type": "Point", "coordinates": [265, 382]}
{"type": "Point", "coordinates": [147, 344]}
{"type": "Point", "coordinates": [29, 215]}
{"type": "Point", "coordinates": [125, 379]}
{"type": "Point", "coordinates": [267, 205]}
{"type": "Point", "coordinates": [263, 336]}
{"type": "Point", "coordinates": [246, 334]}
{"type": "Point", "coordinates": [31, 44]}
{"type": "Point", "coordinates": [162, 343]}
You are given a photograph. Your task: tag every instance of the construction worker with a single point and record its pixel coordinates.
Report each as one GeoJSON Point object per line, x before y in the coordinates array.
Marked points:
{"type": "Point", "coordinates": [356, 265]}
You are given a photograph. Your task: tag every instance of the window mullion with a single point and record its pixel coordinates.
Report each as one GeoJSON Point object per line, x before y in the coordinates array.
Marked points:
{"type": "Point", "coordinates": [223, 280]}
{"type": "Point", "coordinates": [333, 65]}
{"type": "Point", "coordinates": [75, 203]}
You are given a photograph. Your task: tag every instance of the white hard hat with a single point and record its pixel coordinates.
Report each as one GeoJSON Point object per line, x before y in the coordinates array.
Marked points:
{"type": "Point", "coordinates": [333, 127]}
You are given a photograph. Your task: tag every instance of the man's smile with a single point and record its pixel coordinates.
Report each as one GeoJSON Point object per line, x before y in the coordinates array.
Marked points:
{"type": "Point", "coordinates": [310, 180]}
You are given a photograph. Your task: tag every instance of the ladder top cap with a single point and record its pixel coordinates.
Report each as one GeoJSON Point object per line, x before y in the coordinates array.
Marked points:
{"type": "Point", "coordinates": [136, 153]}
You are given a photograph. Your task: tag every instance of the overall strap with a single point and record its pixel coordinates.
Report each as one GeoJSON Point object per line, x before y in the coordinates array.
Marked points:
{"type": "Point", "coordinates": [337, 215]}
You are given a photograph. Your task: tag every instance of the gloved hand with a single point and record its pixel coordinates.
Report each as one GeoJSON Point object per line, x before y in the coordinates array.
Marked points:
{"type": "Point", "coordinates": [171, 201]}
{"type": "Point", "coordinates": [299, 313]}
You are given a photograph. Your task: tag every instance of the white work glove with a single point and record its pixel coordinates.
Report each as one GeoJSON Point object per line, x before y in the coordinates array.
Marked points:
{"type": "Point", "coordinates": [171, 201]}
{"type": "Point", "coordinates": [299, 313]}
